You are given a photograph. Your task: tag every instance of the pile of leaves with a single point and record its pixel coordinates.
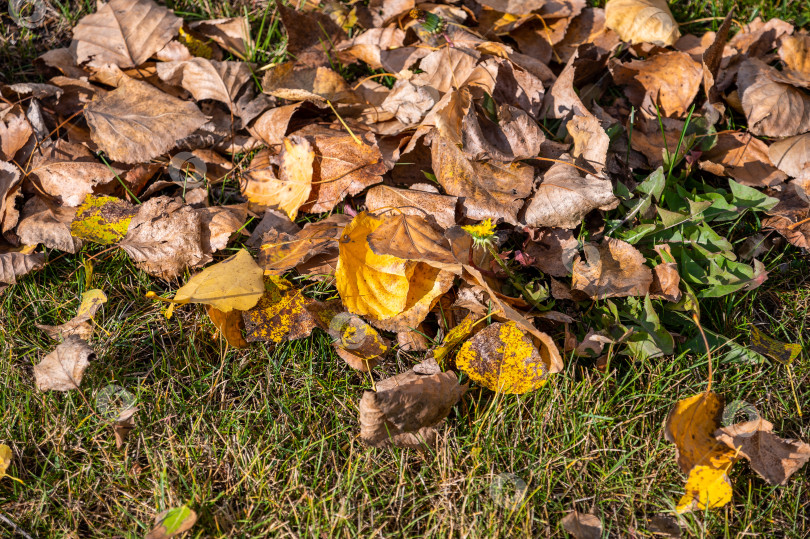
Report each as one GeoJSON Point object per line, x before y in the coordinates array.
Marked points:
{"type": "Point", "coordinates": [487, 186]}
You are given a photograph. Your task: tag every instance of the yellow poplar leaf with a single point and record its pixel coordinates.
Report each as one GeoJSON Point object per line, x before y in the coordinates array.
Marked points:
{"type": "Point", "coordinates": [369, 284]}
{"type": "Point", "coordinates": [5, 459]}
{"type": "Point", "coordinates": [503, 358]}
{"type": "Point", "coordinates": [706, 488]}
{"type": "Point", "coordinates": [235, 283]}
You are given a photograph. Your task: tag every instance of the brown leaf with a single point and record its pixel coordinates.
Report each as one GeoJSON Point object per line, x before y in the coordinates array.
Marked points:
{"type": "Point", "coordinates": [383, 11]}
{"type": "Point", "coordinates": [515, 135]}
{"type": "Point", "coordinates": [757, 38]}
{"type": "Point", "coordinates": [613, 269]}
{"type": "Point", "coordinates": [561, 101]}
{"type": "Point", "coordinates": [14, 130]}
{"type": "Point", "coordinates": [791, 217]}
{"type": "Point", "coordinates": [791, 155]}
{"type": "Point", "coordinates": [744, 158]}
{"type": "Point", "coordinates": [219, 223]}
{"type": "Point", "coordinates": [795, 53]}
{"type": "Point", "coordinates": [124, 32]}
{"type": "Point", "coordinates": [412, 237]}
{"type": "Point", "coordinates": [368, 46]}
{"type": "Point", "coordinates": [342, 167]}
{"type": "Point", "coordinates": [772, 457]}
{"type": "Point", "coordinates": [317, 84]}
{"type": "Point", "coordinates": [10, 183]}
{"type": "Point", "coordinates": [232, 34]}
{"type": "Point", "coordinates": [136, 122]}
{"type": "Point", "coordinates": [79, 325]}
{"type": "Point", "coordinates": [711, 60]}
{"type": "Point", "coordinates": [15, 264]}
{"type": "Point", "coordinates": [310, 35]}
{"type": "Point", "coordinates": [666, 279]}
{"type": "Point", "coordinates": [229, 325]}
{"type": "Point", "coordinates": [447, 69]}
{"type": "Point", "coordinates": [405, 409]}
{"type": "Point", "coordinates": [165, 237]}
{"type": "Point", "coordinates": [514, 7]}
{"type": "Point", "coordinates": [588, 27]}
{"type": "Point", "coordinates": [564, 197]}
{"type": "Point", "coordinates": [207, 79]}
{"type": "Point", "coordinates": [49, 225]}
{"type": "Point", "coordinates": [642, 21]}
{"type": "Point", "coordinates": [773, 107]}
{"type": "Point", "coordinates": [281, 251]}
{"type": "Point", "coordinates": [63, 369]}
{"type": "Point", "coordinates": [271, 127]}
{"type": "Point", "coordinates": [413, 202]}
{"type": "Point", "coordinates": [553, 251]}
{"type": "Point", "coordinates": [582, 525]}
{"type": "Point", "coordinates": [123, 425]}
{"type": "Point", "coordinates": [590, 142]}
{"type": "Point", "coordinates": [489, 189]}
{"type": "Point", "coordinates": [667, 82]}
{"type": "Point", "coordinates": [410, 102]}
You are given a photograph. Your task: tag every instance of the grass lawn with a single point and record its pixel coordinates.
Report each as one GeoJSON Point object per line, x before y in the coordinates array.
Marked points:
{"type": "Point", "coordinates": [263, 442]}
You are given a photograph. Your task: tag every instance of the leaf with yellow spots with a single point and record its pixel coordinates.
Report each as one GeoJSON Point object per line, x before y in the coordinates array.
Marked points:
{"type": "Point", "coordinates": [102, 219]}
{"type": "Point", "coordinates": [282, 314]}
{"type": "Point", "coordinates": [503, 358]}
{"type": "Point", "coordinates": [454, 337]}
{"type": "Point", "coordinates": [356, 342]}
{"type": "Point", "coordinates": [229, 325]}
{"type": "Point", "coordinates": [690, 426]}
{"type": "Point", "coordinates": [79, 325]}
{"type": "Point", "coordinates": [780, 351]}
{"type": "Point", "coordinates": [234, 283]}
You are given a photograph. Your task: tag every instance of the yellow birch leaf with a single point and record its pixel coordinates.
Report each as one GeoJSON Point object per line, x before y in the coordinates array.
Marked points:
{"type": "Point", "coordinates": [235, 283]}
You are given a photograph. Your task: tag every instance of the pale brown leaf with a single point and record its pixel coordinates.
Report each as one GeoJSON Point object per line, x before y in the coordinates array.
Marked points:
{"type": "Point", "coordinates": [413, 202]}
{"type": "Point", "coordinates": [642, 21]}
{"type": "Point", "coordinates": [63, 369]}
{"type": "Point", "coordinates": [773, 107]}
{"type": "Point", "coordinates": [744, 158]}
{"type": "Point", "coordinates": [207, 79]}
{"type": "Point", "coordinates": [49, 225]}
{"type": "Point", "coordinates": [613, 269]}
{"type": "Point", "coordinates": [791, 155]}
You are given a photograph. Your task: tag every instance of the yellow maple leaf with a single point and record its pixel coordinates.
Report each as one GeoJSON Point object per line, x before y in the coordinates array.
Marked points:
{"type": "Point", "coordinates": [235, 283]}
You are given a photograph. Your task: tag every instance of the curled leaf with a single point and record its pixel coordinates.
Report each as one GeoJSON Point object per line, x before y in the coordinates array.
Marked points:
{"type": "Point", "coordinates": [642, 21]}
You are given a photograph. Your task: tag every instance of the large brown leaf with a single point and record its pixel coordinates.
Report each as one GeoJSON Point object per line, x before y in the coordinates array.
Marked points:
{"type": "Point", "coordinates": [281, 251]}
{"type": "Point", "coordinates": [207, 79]}
{"type": "Point", "coordinates": [773, 106]}
{"type": "Point", "coordinates": [165, 237]}
{"type": "Point", "coordinates": [489, 189]}
{"type": "Point", "coordinates": [564, 197]}
{"type": "Point", "coordinates": [413, 202]}
{"type": "Point", "coordinates": [412, 237]}
{"type": "Point", "coordinates": [744, 158]}
{"type": "Point", "coordinates": [317, 84]}
{"type": "Point", "coordinates": [124, 32]}
{"type": "Point", "coordinates": [791, 155]}
{"type": "Point", "coordinates": [137, 122]}
{"type": "Point", "coordinates": [614, 269]}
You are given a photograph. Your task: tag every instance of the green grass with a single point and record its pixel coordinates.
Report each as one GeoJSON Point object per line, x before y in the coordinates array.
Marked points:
{"type": "Point", "coordinates": [263, 443]}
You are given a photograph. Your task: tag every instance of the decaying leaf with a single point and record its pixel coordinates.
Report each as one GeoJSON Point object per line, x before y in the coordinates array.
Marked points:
{"type": "Point", "coordinates": [613, 269]}
{"type": "Point", "coordinates": [791, 155]}
{"type": "Point", "coordinates": [281, 251]}
{"type": "Point", "coordinates": [137, 122]}
{"type": "Point", "coordinates": [553, 251]}
{"type": "Point", "coordinates": [235, 283]}
{"type": "Point", "coordinates": [9, 192]}
{"type": "Point", "coordinates": [15, 131]}
{"type": "Point", "coordinates": [316, 84]}
{"type": "Point", "coordinates": [582, 525]}
{"type": "Point", "coordinates": [744, 158]}
{"type": "Point", "coordinates": [79, 325]}
{"type": "Point", "coordinates": [791, 217]}
{"type": "Point", "coordinates": [773, 106]}
{"type": "Point", "coordinates": [63, 369]}
{"type": "Point", "coordinates": [172, 522]}
{"type": "Point", "coordinates": [207, 79]}
{"type": "Point", "coordinates": [229, 325]}
{"type": "Point", "coordinates": [356, 342]}
{"type": "Point", "coordinates": [412, 237]}
{"type": "Point", "coordinates": [103, 220]}
{"type": "Point", "coordinates": [778, 350]}
{"type": "Point", "coordinates": [413, 202]}
{"type": "Point", "coordinates": [503, 358]}
{"type": "Point", "coordinates": [642, 21]}
{"type": "Point", "coordinates": [405, 409]}
{"type": "Point", "coordinates": [15, 264]}
{"type": "Point", "coordinates": [41, 222]}
{"type": "Point", "coordinates": [281, 314]}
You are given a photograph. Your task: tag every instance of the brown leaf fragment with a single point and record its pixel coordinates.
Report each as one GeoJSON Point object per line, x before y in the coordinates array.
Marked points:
{"type": "Point", "coordinates": [791, 155]}
{"type": "Point", "coordinates": [310, 35]}
{"type": "Point", "coordinates": [490, 190]}
{"type": "Point", "coordinates": [316, 84]}
{"type": "Point", "coordinates": [63, 369]}
{"type": "Point", "coordinates": [14, 130]}
{"type": "Point", "coordinates": [791, 217]}
{"type": "Point", "coordinates": [564, 197]}
{"type": "Point", "coordinates": [412, 237]}
{"type": "Point", "coordinates": [272, 222]}
{"type": "Point", "coordinates": [356, 342]}
{"type": "Point", "coordinates": [773, 107]}
{"type": "Point", "coordinates": [514, 7]}
{"type": "Point", "coordinates": [666, 280]}
{"type": "Point", "coordinates": [281, 251]}
{"type": "Point", "coordinates": [207, 79]}
{"type": "Point", "coordinates": [447, 69]}
{"type": "Point", "coordinates": [369, 45]}
{"type": "Point", "coordinates": [795, 53]}
{"type": "Point", "coordinates": [15, 264]}
{"type": "Point", "coordinates": [642, 21]}
{"type": "Point", "coordinates": [757, 38]}
{"type": "Point", "coordinates": [165, 237]}
{"type": "Point", "coordinates": [405, 409]}
{"type": "Point", "coordinates": [553, 251]}
{"type": "Point", "coordinates": [590, 142]}
{"type": "Point", "coordinates": [413, 341]}
{"type": "Point", "coordinates": [137, 122]}
{"type": "Point", "coordinates": [10, 183]}
{"type": "Point", "coordinates": [229, 325]}
{"type": "Point", "coordinates": [744, 158]}
{"type": "Point", "coordinates": [582, 525]}
{"type": "Point", "coordinates": [712, 58]}
{"type": "Point", "coordinates": [79, 325]}
{"type": "Point", "coordinates": [219, 223]}
{"type": "Point", "coordinates": [667, 82]}
{"type": "Point", "coordinates": [280, 315]}
{"type": "Point", "coordinates": [515, 135]}
{"type": "Point", "coordinates": [271, 127]}
{"type": "Point", "coordinates": [412, 202]}
{"type": "Point", "coordinates": [123, 425]}
{"type": "Point", "coordinates": [613, 269]}
{"type": "Point", "coordinates": [587, 27]}
{"type": "Point", "coordinates": [124, 32]}
{"type": "Point", "coordinates": [49, 225]}
{"type": "Point", "coordinates": [775, 459]}
{"type": "Point", "coordinates": [232, 34]}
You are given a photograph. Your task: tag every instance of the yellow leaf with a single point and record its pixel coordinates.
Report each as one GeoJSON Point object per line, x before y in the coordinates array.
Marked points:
{"type": "Point", "coordinates": [91, 301]}
{"type": "Point", "coordinates": [102, 220]}
{"type": "Point", "coordinates": [454, 337]}
{"type": "Point", "coordinates": [280, 315]}
{"type": "Point", "coordinates": [235, 283]}
{"type": "Point", "coordinates": [5, 459]}
{"type": "Point", "coordinates": [706, 488]}
{"type": "Point", "coordinates": [503, 358]}
{"type": "Point", "coordinates": [369, 284]}
{"type": "Point", "coordinates": [778, 350]}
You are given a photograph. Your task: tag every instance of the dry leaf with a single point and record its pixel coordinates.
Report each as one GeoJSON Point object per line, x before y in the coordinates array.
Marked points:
{"type": "Point", "coordinates": [16, 264]}
{"type": "Point", "coordinates": [582, 525]}
{"type": "Point", "coordinates": [103, 220]}
{"type": "Point", "coordinates": [426, 284]}
{"type": "Point", "coordinates": [282, 251]}
{"type": "Point", "coordinates": [219, 223]}
{"type": "Point", "coordinates": [642, 21]}
{"type": "Point", "coordinates": [773, 107]}
{"type": "Point", "coordinates": [369, 45]}
{"type": "Point", "coordinates": [405, 409]}
{"type": "Point", "coordinates": [281, 314]}
{"type": "Point", "coordinates": [564, 197]}
{"type": "Point", "coordinates": [503, 358]}
{"type": "Point", "coordinates": [124, 32]}
{"type": "Point", "coordinates": [14, 131]}
{"type": "Point", "coordinates": [613, 269]}
{"type": "Point", "coordinates": [48, 225]}
{"type": "Point", "coordinates": [795, 53]}
{"type": "Point", "coordinates": [10, 183]}
{"type": "Point", "coordinates": [232, 34]}
{"type": "Point", "coordinates": [744, 158]}
{"type": "Point", "coordinates": [690, 426]}
{"type": "Point", "coordinates": [165, 237]}
{"type": "Point", "coordinates": [791, 155]}
{"type": "Point", "coordinates": [137, 122]}
{"type": "Point", "coordinates": [412, 237]}
{"type": "Point", "coordinates": [63, 369]}
{"type": "Point", "coordinates": [772, 457]}
{"type": "Point", "coordinates": [310, 35]}
{"type": "Point", "coordinates": [207, 79]}
{"type": "Point", "coordinates": [412, 202]}
{"type": "Point", "coordinates": [553, 251]}
{"type": "Point", "coordinates": [271, 126]}
{"type": "Point", "coordinates": [356, 342]}
{"type": "Point", "coordinates": [791, 217]}
{"type": "Point", "coordinates": [92, 300]}
{"type": "Point", "coordinates": [317, 84]}
{"type": "Point", "coordinates": [229, 325]}
{"type": "Point", "coordinates": [234, 283]}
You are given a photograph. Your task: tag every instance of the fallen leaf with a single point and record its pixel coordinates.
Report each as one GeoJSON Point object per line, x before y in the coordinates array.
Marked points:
{"type": "Point", "coordinates": [791, 217]}
{"type": "Point", "coordinates": [795, 53]}
{"type": "Point", "coordinates": [271, 126]}
{"type": "Point", "coordinates": [15, 131]}
{"type": "Point", "coordinates": [553, 251]}
{"type": "Point", "coordinates": [165, 237]}
{"type": "Point", "coordinates": [564, 197]}
{"type": "Point", "coordinates": [232, 34]}
{"type": "Point", "coordinates": [412, 237]}
{"type": "Point", "coordinates": [768, 346]}
{"type": "Point", "coordinates": [15, 264]}
{"type": "Point", "coordinates": [219, 223]}
{"type": "Point", "coordinates": [666, 279]}
{"type": "Point", "coordinates": [124, 32]}
{"type": "Point", "coordinates": [49, 225]}
{"type": "Point", "coordinates": [63, 369]}
{"type": "Point", "coordinates": [172, 522]}
{"type": "Point", "coordinates": [229, 325]}
{"type": "Point", "coordinates": [773, 107]}
{"type": "Point", "coordinates": [690, 425]}
{"type": "Point", "coordinates": [280, 315]}
{"type": "Point", "coordinates": [356, 342]}
{"type": "Point", "coordinates": [369, 45]}
{"type": "Point", "coordinates": [791, 155]}
{"type": "Point", "coordinates": [311, 35]}
{"type": "Point", "coordinates": [405, 409]}
{"type": "Point", "coordinates": [426, 284]}
{"type": "Point", "coordinates": [613, 269]}
{"type": "Point", "coordinates": [235, 283]}
{"type": "Point", "coordinates": [137, 122]}
{"type": "Point", "coordinates": [582, 525]}
{"type": "Point", "coordinates": [102, 220]}
{"type": "Point", "coordinates": [92, 300]}
{"type": "Point", "coordinates": [281, 251]}
{"type": "Point", "coordinates": [207, 79]}
{"type": "Point", "coordinates": [503, 358]}
{"type": "Point", "coordinates": [773, 458]}
{"type": "Point", "coordinates": [123, 425]}
{"type": "Point", "coordinates": [744, 158]}
{"type": "Point", "coordinates": [642, 21]}
{"type": "Point", "coordinates": [316, 84]}
{"type": "Point", "coordinates": [10, 183]}
{"type": "Point", "coordinates": [5, 459]}
{"type": "Point", "coordinates": [412, 202]}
